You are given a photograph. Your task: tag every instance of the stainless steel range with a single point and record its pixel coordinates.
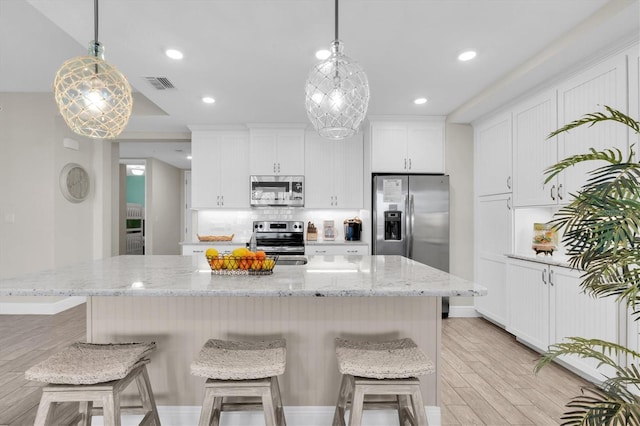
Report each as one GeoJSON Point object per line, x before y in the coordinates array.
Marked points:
{"type": "Point", "coordinates": [278, 238]}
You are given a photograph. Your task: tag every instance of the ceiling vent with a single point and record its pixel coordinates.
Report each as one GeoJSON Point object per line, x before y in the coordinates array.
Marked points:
{"type": "Point", "coordinates": [160, 83]}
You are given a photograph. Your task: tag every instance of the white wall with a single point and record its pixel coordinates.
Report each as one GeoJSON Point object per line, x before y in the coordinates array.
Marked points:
{"type": "Point", "coordinates": [164, 186]}
{"type": "Point", "coordinates": [459, 167]}
{"type": "Point", "coordinates": [39, 228]}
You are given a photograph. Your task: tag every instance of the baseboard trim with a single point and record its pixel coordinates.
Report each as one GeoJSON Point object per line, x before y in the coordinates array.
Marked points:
{"type": "Point", "coordinates": [41, 308]}
{"type": "Point", "coordinates": [462, 312]}
{"type": "Point", "coordinates": [296, 416]}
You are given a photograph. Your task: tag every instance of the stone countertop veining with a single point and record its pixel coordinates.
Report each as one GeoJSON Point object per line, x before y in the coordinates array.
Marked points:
{"type": "Point", "coordinates": [190, 276]}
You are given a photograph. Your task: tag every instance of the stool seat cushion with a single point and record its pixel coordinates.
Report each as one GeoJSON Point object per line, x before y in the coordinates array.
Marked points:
{"type": "Point", "coordinates": [240, 360]}
{"type": "Point", "coordinates": [394, 359]}
{"type": "Point", "coordinates": [89, 363]}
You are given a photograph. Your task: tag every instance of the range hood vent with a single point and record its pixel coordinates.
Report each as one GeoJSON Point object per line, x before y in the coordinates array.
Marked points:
{"type": "Point", "coordinates": [160, 83]}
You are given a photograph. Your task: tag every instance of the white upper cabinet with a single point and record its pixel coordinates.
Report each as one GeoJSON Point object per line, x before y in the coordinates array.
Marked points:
{"type": "Point", "coordinates": [276, 151]}
{"type": "Point", "coordinates": [334, 172]}
{"type": "Point", "coordinates": [492, 147]}
{"type": "Point", "coordinates": [603, 84]}
{"type": "Point", "coordinates": [219, 170]}
{"type": "Point", "coordinates": [407, 147]}
{"type": "Point", "coordinates": [533, 153]}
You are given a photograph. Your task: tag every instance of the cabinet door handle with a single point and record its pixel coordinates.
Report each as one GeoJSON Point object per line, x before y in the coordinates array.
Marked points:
{"type": "Point", "coordinates": [560, 191]}
{"type": "Point", "coordinates": [278, 167]}
{"type": "Point", "coordinates": [218, 200]}
{"type": "Point", "coordinates": [508, 182]}
{"type": "Point", "coordinates": [553, 195]}
{"type": "Point", "coordinates": [551, 277]}
{"type": "Point", "coordinates": [222, 200]}
{"type": "Point", "coordinates": [336, 198]}
{"type": "Point", "coordinates": [352, 251]}
{"type": "Point", "coordinates": [509, 203]}
{"type": "Point", "coordinates": [405, 164]}
{"type": "Point", "coordinates": [544, 275]}
{"type": "Point", "coordinates": [409, 163]}
{"type": "Point", "coordinates": [320, 251]}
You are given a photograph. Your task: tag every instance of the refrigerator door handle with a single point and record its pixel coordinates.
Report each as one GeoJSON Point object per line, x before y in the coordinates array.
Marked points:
{"type": "Point", "coordinates": [410, 230]}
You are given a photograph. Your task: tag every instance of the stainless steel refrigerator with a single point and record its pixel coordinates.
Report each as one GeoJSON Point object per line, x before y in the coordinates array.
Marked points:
{"type": "Point", "coordinates": [411, 218]}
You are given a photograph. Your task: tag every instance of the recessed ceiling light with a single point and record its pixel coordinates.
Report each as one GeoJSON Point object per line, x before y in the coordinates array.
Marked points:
{"type": "Point", "coordinates": [174, 54]}
{"type": "Point", "coordinates": [420, 101]}
{"type": "Point", "coordinates": [467, 56]}
{"type": "Point", "coordinates": [189, 157]}
{"type": "Point", "coordinates": [323, 54]}
{"type": "Point", "coordinates": [208, 100]}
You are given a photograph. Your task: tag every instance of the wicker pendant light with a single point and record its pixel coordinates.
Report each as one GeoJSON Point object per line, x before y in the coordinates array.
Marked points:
{"type": "Point", "coordinates": [94, 98]}
{"type": "Point", "coordinates": [337, 93]}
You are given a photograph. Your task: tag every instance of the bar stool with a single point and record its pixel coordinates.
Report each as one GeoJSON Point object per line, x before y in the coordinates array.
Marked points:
{"type": "Point", "coordinates": [241, 369]}
{"type": "Point", "coordinates": [381, 368]}
{"type": "Point", "coordinates": [86, 372]}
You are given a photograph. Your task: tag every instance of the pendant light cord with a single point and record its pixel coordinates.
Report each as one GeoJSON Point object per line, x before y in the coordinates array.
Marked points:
{"type": "Point", "coordinates": [95, 21]}
{"type": "Point", "coordinates": [336, 9]}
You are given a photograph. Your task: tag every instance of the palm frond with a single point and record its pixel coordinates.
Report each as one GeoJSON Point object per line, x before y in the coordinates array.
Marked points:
{"type": "Point", "coordinates": [613, 156]}
{"type": "Point", "coordinates": [597, 407]}
{"type": "Point", "coordinates": [604, 352]}
{"type": "Point", "coordinates": [596, 117]}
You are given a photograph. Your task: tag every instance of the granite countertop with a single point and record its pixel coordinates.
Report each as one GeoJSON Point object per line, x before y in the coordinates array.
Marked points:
{"type": "Point", "coordinates": [191, 276]}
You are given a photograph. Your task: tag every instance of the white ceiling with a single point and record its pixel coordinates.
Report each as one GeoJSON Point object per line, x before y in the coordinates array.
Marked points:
{"type": "Point", "coordinates": [253, 56]}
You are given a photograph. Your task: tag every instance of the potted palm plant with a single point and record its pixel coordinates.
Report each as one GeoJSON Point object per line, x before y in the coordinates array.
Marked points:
{"type": "Point", "coordinates": [601, 227]}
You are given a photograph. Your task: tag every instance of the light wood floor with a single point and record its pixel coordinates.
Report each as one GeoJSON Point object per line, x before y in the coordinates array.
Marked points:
{"type": "Point", "coordinates": [487, 376]}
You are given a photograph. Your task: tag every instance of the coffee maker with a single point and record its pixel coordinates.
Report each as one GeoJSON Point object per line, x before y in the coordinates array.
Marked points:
{"type": "Point", "coordinates": [352, 229]}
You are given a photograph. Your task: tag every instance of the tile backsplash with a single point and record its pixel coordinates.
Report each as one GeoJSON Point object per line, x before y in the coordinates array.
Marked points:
{"type": "Point", "coordinates": [239, 222]}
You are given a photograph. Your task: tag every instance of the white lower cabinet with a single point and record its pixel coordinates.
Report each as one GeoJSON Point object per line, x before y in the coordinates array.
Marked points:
{"type": "Point", "coordinates": [337, 249]}
{"type": "Point", "coordinates": [547, 305]}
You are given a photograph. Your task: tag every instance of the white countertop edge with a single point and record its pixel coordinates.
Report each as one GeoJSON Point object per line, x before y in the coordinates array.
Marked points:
{"type": "Point", "coordinates": [545, 259]}
{"type": "Point", "coordinates": [480, 291]}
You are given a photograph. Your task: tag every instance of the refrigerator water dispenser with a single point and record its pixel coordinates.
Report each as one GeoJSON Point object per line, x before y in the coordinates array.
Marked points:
{"type": "Point", "coordinates": [392, 225]}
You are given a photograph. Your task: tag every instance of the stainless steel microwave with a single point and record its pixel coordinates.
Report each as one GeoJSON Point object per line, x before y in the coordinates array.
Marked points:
{"type": "Point", "coordinates": [277, 191]}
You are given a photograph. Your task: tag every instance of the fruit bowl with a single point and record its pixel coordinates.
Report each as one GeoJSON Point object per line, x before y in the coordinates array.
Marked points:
{"type": "Point", "coordinates": [227, 264]}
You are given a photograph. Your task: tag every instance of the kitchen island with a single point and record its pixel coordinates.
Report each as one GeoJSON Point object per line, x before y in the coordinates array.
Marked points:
{"type": "Point", "coordinates": [177, 302]}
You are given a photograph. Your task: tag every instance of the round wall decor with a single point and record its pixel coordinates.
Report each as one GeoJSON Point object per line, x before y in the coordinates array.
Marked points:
{"type": "Point", "coordinates": [74, 182]}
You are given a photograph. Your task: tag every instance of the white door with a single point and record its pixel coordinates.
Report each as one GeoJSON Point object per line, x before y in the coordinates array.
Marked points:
{"type": "Point", "coordinates": [493, 240]}
{"type": "Point", "coordinates": [528, 301]}
{"type": "Point", "coordinates": [425, 147]}
{"type": "Point", "coordinates": [492, 147]}
{"type": "Point", "coordinates": [290, 152]}
{"type": "Point", "coordinates": [604, 84]}
{"type": "Point", "coordinates": [348, 180]}
{"type": "Point", "coordinates": [576, 314]}
{"type": "Point", "coordinates": [319, 174]}
{"type": "Point", "coordinates": [389, 148]}
{"type": "Point", "coordinates": [533, 153]}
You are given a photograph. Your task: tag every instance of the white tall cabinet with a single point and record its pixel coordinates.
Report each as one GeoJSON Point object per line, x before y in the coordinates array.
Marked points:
{"type": "Point", "coordinates": [493, 214]}
{"type": "Point", "coordinates": [333, 172]}
{"type": "Point", "coordinates": [220, 174]}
